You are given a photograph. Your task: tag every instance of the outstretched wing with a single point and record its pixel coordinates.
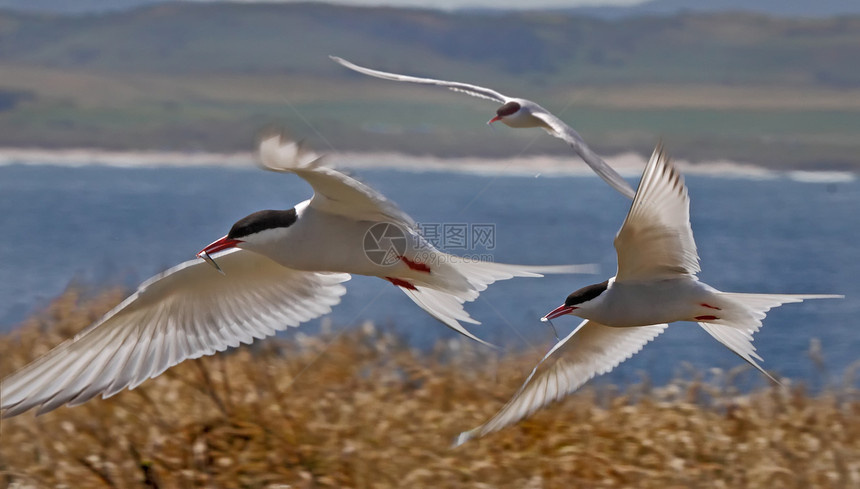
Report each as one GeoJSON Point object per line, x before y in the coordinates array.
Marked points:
{"type": "Point", "coordinates": [566, 133]}
{"type": "Point", "coordinates": [334, 192]}
{"type": "Point", "coordinates": [656, 240]}
{"type": "Point", "coordinates": [591, 349]}
{"type": "Point", "coordinates": [473, 90]}
{"type": "Point", "coordinates": [558, 128]}
{"type": "Point", "coordinates": [188, 311]}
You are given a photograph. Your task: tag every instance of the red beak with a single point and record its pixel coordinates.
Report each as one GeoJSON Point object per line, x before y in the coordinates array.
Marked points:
{"type": "Point", "coordinates": [559, 311]}
{"type": "Point", "coordinates": [494, 119]}
{"type": "Point", "coordinates": [222, 244]}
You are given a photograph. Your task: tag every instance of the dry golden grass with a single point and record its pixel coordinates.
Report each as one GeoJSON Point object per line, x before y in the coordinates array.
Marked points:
{"type": "Point", "coordinates": [361, 410]}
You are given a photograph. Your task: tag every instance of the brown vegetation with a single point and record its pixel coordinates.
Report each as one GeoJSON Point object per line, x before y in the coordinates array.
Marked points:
{"type": "Point", "coordinates": [362, 410]}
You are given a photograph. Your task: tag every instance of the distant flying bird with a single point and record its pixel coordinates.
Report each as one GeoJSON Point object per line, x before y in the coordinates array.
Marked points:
{"type": "Point", "coordinates": [656, 284]}
{"type": "Point", "coordinates": [516, 112]}
{"type": "Point", "coordinates": [276, 269]}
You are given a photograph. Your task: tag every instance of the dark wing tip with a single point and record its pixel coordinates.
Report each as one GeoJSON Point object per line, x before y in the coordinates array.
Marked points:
{"type": "Point", "coordinates": [661, 159]}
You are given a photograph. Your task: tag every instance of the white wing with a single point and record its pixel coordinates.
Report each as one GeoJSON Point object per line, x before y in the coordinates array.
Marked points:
{"type": "Point", "coordinates": [334, 192]}
{"type": "Point", "coordinates": [185, 312]}
{"type": "Point", "coordinates": [558, 128]}
{"type": "Point", "coordinates": [472, 90]}
{"type": "Point", "coordinates": [566, 133]}
{"type": "Point", "coordinates": [656, 240]}
{"type": "Point", "coordinates": [591, 349]}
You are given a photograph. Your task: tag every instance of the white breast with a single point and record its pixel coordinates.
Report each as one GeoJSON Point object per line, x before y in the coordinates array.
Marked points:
{"type": "Point", "coordinates": [639, 304]}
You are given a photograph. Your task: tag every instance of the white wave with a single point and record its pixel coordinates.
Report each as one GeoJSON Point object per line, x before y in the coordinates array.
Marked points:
{"type": "Point", "coordinates": [627, 164]}
{"type": "Point", "coordinates": [122, 159]}
{"type": "Point", "coordinates": [822, 176]}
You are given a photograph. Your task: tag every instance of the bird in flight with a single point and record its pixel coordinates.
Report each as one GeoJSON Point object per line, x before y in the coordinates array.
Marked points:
{"type": "Point", "coordinates": [274, 269]}
{"type": "Point", "coordinates": [655, 284]}
{"type": "Point", "coordinates": [517, 113]}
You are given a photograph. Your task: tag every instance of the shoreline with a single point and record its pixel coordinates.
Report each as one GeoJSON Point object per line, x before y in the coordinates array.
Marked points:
{"type": "Point", "coordinates": [627, 164]}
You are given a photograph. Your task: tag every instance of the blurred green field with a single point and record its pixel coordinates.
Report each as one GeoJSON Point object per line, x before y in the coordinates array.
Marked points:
{"type": "Point", "coordinates": [362, 410]}
{"type": "Point", "coordinates": [372, 121]}
{"type": "Point", "coordinates": [187, 76]}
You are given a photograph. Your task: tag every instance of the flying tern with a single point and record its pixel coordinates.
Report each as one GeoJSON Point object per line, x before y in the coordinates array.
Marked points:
{"type": "Point", "coordinates": [655, 284]}
{"type": "Point", "coordinates": [516, 112]}
{"type": "Point", "coordinates": [273, 270]}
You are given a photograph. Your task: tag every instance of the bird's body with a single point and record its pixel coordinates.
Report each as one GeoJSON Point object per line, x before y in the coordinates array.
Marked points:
{"type": "Point", "coordinates": [517, 113]}
{"type": "Point", "coordinates": [298, 246]}
{"type": "Point", "coordinates": [348, 227]}
{"type": "Point", "coordinates": [631, 304]}
{"type": "Point", "coordinates": [525, 116]}
{"type": "Point", "coordinates": [274, 269]}
{"type": "Point", "coordinates": [414, 261]}
{"type": "Point", "coordinates": [656, 284]}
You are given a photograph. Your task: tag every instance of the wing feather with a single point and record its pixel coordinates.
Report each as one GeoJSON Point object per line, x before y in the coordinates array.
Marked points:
{"type": "Point", "coordinates": [656, 240]}
{"type": "Point", "coordinates": [554, 125]}
{"type": "Point", "coordinates": [473, 90]}
{"type": "Point", "coordinates": [185, 312]}
{"type": "Point", "coordinates": [566, 133]}
{"type": "Point", "coordinates": [591, 349]}
{"type": "Point", "coordinates": [334, 192]}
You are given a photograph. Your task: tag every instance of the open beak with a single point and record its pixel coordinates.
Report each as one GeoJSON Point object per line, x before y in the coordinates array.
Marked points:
{"type": "Point", "coordinates": [558, 311]}
{"type": "Point", "coordinates": [222, 244]}
{"type": "Point", "coordinates": [494, 119]}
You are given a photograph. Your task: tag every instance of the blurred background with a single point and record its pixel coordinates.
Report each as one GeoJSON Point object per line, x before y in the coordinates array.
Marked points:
{"type": "Point", "coordinates": [768, 82]}
{"type": "Point", "coordinates": [773, 84]}
{"type": "Point", "coordinates": [126, 136]}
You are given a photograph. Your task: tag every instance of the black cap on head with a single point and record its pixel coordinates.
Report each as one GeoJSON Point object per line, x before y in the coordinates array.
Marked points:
{"type": "Point", "coordinates": [586, 293]}
{"type": "Point", "coordinates": [507, 109]}
{"type": "Point", "coordinates": [262, 220]}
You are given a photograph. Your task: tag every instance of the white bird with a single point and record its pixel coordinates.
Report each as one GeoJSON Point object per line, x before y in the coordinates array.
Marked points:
{"type": "Point", "coordinates": [516, 112]}
{"type": "Point", "coordinates": [278, 268]}
{"type": "Point", "coordinates": [655, 284]}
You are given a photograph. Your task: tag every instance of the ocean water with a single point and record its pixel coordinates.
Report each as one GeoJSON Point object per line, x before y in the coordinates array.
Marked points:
{"type": "Point", "coordinates": [789, 233]}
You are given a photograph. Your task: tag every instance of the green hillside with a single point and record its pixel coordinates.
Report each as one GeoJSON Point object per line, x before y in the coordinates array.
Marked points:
{"type": "Point", "coordinates": [211, 76]}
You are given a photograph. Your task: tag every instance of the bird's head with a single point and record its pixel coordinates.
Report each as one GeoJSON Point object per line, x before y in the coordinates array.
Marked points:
{"type": "Point", "coordinates": [517, 113]}
{"type": "Point", "coordinates": [582, 298]}
{"type": "Point", "coordinates": [254, 231]}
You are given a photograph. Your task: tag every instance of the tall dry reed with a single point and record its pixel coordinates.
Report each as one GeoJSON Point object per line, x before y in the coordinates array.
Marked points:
{"type": "Point", "coordinates": [362, 410]}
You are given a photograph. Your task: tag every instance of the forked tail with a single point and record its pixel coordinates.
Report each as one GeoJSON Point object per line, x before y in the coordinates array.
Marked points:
{"type": "Point", "coordinates": [477, 275]}
{"type": "Point", "coordinates": [444, 290]}
{"type": "Point", "coordinates": [739, 317]}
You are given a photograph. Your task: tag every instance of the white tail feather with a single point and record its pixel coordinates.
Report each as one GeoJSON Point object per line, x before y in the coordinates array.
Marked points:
{"type": "Point", "coordinates": [445, 307]}
{"type": "Point", "coordinates": [741, 316]}
{"type": "Point", "coordinates": [480, 274]}
{"type": "Point", "coordinates": [456, 280]}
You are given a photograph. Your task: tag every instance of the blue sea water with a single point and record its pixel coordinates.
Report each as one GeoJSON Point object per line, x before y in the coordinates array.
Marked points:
{"type": "Point", "coordinates": [105, 225]}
